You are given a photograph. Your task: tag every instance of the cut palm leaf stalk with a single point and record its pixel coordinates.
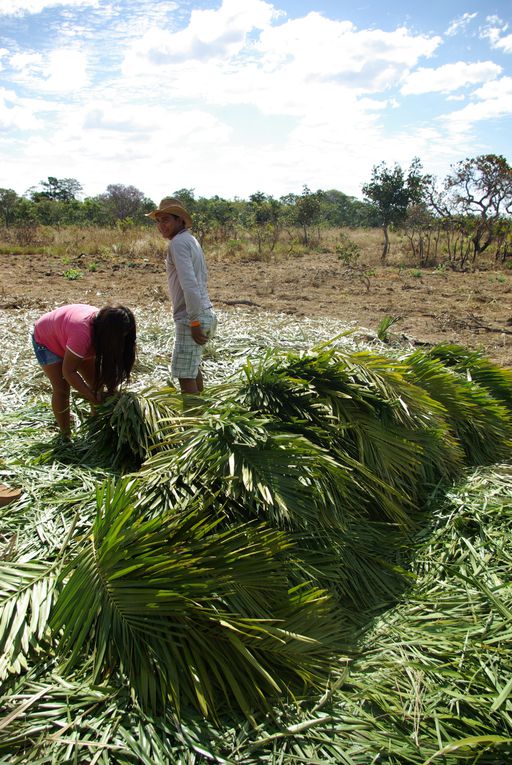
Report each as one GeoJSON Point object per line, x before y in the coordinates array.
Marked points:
{"type": "Point", "coordinates": [156, 599]}
{"type": "Point", "coordinates": [8, 494]}
{"type": "Point", "coordinates": [438, 666]}
{"type": "Point", "coordinates": [481, 423]}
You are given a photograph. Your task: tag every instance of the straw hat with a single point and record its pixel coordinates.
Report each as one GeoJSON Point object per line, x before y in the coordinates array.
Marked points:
{"type": "Point", "coordinates": [171, 206]}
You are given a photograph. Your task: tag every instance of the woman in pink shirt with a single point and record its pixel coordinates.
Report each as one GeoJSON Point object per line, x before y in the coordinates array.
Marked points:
{"type": "Point", "coordinates": [82, 347]}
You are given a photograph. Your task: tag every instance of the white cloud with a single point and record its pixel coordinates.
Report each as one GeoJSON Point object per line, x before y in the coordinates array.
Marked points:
{"type": "Point", "coordinates": [20, 7]}
{"type": "Point", "coordinates": [460, 24]}
{"type": "Point", "coordinates": [15, 113]}
{"type": "Point", "coordinates": [497, 89]}
{"type": "Point", "coordinates": [150, 148]}
{"type": "Point", "coordinates": [504, 44]}
{"type": "Point", "coordinates": [106, 121]}
{"type": "Point", "coordinates": [307, 65]}
{"type": "Point", "coordinates": [449, 77]}
{"type": "Point", "coordinates": [62, 70]}
{"type": "Point", "coordinates": [317, 47]}
{"type": "Point", "coordinates": [210, 35]}
{"type": "Point", "coordinates": [494, 31]}
{"type": "Point", "coordinates": [28, 63]}
{"type": "Point", "coordinates": [65, 70]}
{"type": "Point", "coordinates": [495, 100]}
{"type": "Point", "coordinates": [490, 109]}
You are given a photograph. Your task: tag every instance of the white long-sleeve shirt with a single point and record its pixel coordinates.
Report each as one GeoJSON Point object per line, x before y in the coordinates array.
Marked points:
{"type": "Point", "coordinates": [187, 277]}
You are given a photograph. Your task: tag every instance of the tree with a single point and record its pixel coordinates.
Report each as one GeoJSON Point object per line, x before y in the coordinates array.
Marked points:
{"type": "Point", "coordinates": [307, 211]}
{"type": "Point", "coordinates": [123, 202]}
{"type": "Point", "coordinates": [53, 212]}
{"type": "Point", "coordinates": [219, 215]}
{"type": "Point", "coordinates": [186, 198]}
{"type": "Point", "coordinates": [60, 189]}
{"type": "Point", "coordinates": [481, 189]}
{"type": "Point", "coordinates": [392, 192]}
{"type": "Point", "coordinates": [93, 212]}
{"type": "Point", "coordinates": [8, 202]}
{"type": "Point", "coordinates": [339, 209]}
{"type": "Point", "coordinates": [57, 204]}
{"type": "Point", "coordinates": [265, 214]}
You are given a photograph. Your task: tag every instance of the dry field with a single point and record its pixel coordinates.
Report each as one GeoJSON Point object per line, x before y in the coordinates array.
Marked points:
{"type": "Point", "coordinates": [434, 304]}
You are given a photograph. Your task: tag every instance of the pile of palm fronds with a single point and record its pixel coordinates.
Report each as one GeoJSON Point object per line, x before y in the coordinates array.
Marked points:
{"type": "Point", "coordinates": [265, 539]}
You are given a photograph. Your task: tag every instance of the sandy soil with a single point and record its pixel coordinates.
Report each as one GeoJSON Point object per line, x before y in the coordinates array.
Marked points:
{"type": "Point", "coordinates": [474, 309]}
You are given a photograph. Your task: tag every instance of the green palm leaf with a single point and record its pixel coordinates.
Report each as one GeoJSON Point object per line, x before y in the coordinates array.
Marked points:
{"type": "Point", "coordinates": [154, 598]}
{"type": "Point", "coordinates": [259, 471]}
{"type": "Point", "coordinates": [481, 424]}
{"type": "Point", "coordinates": [475, 366]}
{"type": "Point", "coordinates": [27, 591]}
{"type": "Point", "coordinates": [362, 406]}
{"type": "Point", "coordinates": [125, 428]}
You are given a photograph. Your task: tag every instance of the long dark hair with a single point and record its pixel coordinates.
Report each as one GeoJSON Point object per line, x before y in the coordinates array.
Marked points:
{"type": "Point", "coordinates": [114, 335]}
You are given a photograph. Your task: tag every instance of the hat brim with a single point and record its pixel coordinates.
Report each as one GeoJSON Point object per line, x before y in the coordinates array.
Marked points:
{"type": "Point", "coordinates": [171, 210]}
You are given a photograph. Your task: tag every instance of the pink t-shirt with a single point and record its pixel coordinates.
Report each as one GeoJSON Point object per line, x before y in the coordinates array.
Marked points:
{"type": "Point", "coordinates": [69, 326]}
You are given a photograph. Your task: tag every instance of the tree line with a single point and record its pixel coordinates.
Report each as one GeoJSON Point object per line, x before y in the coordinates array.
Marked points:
{"type": "Point", "coordinates": [466, 214]}
{"type": "Point", "coordinates": [58, 201]}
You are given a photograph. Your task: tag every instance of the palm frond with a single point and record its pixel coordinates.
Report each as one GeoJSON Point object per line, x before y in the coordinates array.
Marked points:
{"type": "Point", "coordinates": [27, 592]}
{"type": "Point", "coordinates": [477, 368]}
{"type": "Point", "coordinates": [481, 424]}
{"type": "Point", "coordinates": [265, 473]}
{"type": "Point", "coordinates": [361, 405]}
{"type": "Point", "coordinates": [153, 597]}
{"type": "Point", "coordinates": [125, 428]}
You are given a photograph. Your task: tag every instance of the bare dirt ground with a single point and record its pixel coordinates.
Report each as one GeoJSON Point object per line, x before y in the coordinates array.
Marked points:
{"type": "Point", "coordinates": [473, 309]}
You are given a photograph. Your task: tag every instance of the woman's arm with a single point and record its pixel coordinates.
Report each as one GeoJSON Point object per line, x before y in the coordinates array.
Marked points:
{"type": "Point", "coordinates": [70, 365]}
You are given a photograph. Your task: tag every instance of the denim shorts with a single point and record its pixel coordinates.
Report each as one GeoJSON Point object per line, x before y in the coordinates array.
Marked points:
{"type": "Point", "coordinates": [43, 354]}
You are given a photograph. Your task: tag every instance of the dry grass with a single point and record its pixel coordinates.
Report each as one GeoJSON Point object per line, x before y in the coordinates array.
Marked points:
{"type": "Point", "coordinates": [142, 242]}
{"type": "Point", "coordinates": [74, 242]}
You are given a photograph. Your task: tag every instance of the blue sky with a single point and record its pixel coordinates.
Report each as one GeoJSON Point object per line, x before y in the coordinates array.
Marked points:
{"type": "Point", "coordinates": [230, 97]}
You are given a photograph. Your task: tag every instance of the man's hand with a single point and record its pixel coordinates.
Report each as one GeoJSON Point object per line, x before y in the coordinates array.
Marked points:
{"type": "Point", "coordinates": [198, 335]}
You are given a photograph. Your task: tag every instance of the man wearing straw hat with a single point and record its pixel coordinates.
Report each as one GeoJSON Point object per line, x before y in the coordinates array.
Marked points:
{"type": "Point", "coordinates": [194, 319]}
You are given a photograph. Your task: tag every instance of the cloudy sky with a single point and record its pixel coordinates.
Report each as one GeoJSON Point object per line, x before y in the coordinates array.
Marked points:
{"type": "Point", "coordinates": [230, 97]}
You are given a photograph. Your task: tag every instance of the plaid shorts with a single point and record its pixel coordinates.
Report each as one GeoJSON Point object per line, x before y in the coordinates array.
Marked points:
{"type": "Point", "coordinates": [186, 356]}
